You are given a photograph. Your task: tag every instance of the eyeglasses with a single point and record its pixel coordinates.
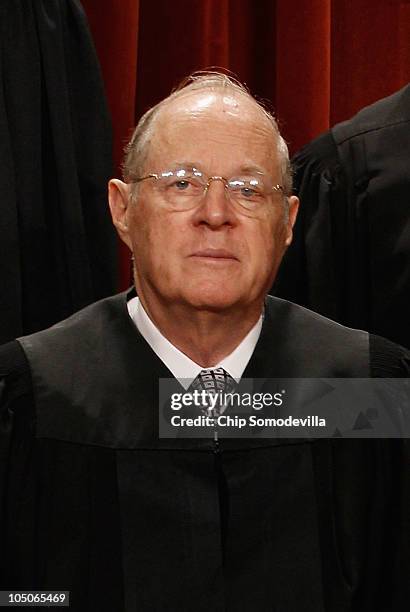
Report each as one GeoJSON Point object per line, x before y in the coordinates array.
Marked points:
{"type": "Point", "coordinates": [184, 188]}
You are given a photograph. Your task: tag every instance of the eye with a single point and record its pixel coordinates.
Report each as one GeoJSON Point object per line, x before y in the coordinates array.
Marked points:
{"type": "Point", "coordinates": [246, 188]}
{"type": "Point", "coordinates": [249, 192]}
{"type": "Point", "coordinates": [181, 185]}
{"type": "Point", "coordinates": [184, 185]}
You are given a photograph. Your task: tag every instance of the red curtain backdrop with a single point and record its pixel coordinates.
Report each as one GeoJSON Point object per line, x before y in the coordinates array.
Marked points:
{"type": "Point", "coordinates": [317, 62]}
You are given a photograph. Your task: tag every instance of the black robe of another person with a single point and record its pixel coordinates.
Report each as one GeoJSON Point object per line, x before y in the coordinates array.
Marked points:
{"type": "Point", "coordinates": [57, 244]}
{"type": "Point", "coordinates": [350, 259]}
{"type": "Point", "coordinates": [94, 502]}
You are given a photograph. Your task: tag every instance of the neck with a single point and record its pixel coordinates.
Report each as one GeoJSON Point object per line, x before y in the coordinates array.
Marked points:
{"type": "Point", "coordinates": [204, 336]}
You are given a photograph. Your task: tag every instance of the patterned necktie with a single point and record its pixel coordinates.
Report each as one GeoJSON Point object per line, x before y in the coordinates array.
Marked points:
{"type": "Point", "coordinates": [214, 381]}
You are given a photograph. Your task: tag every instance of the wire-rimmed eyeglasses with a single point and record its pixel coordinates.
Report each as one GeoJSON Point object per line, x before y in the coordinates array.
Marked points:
{"type": "Point", "coordinates": [184, 187]}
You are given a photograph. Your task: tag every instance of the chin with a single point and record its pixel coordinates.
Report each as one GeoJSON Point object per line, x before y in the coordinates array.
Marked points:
{"type": "Point", "coordinates": [215, 301]}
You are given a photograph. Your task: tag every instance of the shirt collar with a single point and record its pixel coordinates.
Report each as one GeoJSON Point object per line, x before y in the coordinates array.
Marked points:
{"type": "Point", "coordinates": [181, 366]}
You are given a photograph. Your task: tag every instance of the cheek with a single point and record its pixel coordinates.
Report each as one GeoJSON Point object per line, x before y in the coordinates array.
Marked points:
{"type": "Point", "coordinates": [268, 245]}
{"type": "Point", "coordinates": [145, 226]}
{"type": "Point", "coordinates": [265, 240]}
{"type": "Point", "coordinates": [143, 236]}
{"type": "Point", "coordinates": [155, 242]}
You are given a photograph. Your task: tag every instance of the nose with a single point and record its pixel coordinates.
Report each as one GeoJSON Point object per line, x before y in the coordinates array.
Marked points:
{"type": "Point", "coordinates": [215, 209]}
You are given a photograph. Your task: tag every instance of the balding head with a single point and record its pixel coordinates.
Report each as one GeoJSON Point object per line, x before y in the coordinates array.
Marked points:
{"type": "Point", "coordinates": [207, 85]}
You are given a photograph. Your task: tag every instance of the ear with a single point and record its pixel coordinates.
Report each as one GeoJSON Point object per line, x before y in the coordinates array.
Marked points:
{"type": "Point", "coordinates": [293, 203]}
{"type": "Point", "coordinates": [119, 200]}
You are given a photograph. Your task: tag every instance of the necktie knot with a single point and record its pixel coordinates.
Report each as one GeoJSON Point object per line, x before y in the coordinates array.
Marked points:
{"type": "Point", "coordinates": [212, 381]}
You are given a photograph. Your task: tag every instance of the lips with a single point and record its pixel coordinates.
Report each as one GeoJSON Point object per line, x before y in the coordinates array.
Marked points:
{"type": "Point", "coordinates": [215, 254]}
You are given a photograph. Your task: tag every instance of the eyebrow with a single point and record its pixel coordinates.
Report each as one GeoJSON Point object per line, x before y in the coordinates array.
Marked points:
{"type": "Point", "coordinates": [243, 169]}
{"type": "Point", "coordinates": [252, 169]}
{"type": "Point", "coordinates": [185, 164]}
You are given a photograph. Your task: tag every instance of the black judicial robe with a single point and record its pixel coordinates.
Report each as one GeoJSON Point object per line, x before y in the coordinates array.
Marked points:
{"type": "Point", "coordinates": [92, 501]}
{"type": "Point", "coordinates": [350, 259]}
{"type": "Point", "coordinates": [58, 247]}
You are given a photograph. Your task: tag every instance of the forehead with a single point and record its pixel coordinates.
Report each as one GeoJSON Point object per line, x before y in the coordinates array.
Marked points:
{"type": "Point", "coordinates": [222, 131]}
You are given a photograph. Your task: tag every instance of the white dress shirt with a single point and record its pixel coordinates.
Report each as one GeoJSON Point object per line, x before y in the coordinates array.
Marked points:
{"type": "Point", "coordinates": [181, 366]}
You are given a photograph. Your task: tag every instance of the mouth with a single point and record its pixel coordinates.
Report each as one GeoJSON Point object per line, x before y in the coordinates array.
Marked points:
{"type": "Point", "coordinates": [215, 255]}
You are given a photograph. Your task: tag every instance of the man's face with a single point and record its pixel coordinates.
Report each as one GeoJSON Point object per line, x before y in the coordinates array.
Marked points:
{"type": "Point", "coordinates": [212, 257]}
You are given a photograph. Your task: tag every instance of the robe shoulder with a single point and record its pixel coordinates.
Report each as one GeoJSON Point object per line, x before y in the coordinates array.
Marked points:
{"type": "Point", "coordinates": [321, 160]}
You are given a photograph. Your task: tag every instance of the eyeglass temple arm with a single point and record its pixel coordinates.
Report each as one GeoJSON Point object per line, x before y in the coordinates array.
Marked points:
{"type": "Point", "coordinates": [143, 178]}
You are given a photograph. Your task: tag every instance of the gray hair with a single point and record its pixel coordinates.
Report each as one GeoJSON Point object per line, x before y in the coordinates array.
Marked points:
{"type": "Point", "coordinates": [137, 149]}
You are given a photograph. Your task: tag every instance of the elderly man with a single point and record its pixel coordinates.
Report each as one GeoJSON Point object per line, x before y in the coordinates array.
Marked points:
{"type": "Point", "coordinates": [95, 502]}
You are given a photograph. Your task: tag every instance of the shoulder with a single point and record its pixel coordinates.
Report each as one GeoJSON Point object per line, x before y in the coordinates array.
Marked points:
{"type": "Point", "coordinates": [324, 157]}
{"type": "Point", "coordinates": [59, 346]}
{"type": "Point", "coordinates": [83, 327]}
{"type": "Point", "coordinates": [307, 322]}
{"type": "Point", "coordinates": [326, 340]}
{"type": "Point", "coordinates": [311, 345]}
{"type": "Point", "coordinates": [385, 113]}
